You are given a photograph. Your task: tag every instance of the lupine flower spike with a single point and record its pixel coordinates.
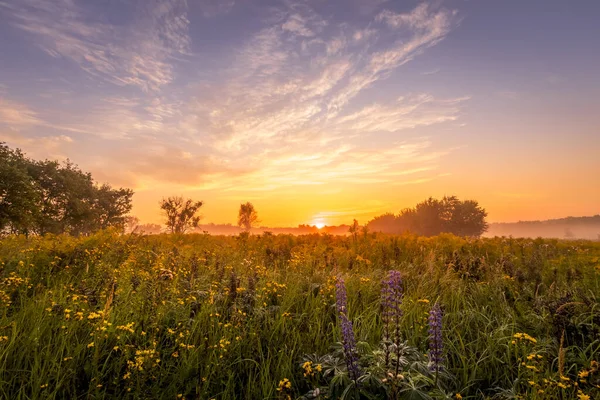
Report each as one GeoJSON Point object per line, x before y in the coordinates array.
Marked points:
{"type": "Point", "coordinates": [348, 340]}
{"type": "Point", "coordinates": [391, 299]}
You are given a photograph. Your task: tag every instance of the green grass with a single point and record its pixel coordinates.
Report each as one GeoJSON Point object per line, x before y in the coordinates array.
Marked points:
{"type": "Point", "coordinates": [192, 338]}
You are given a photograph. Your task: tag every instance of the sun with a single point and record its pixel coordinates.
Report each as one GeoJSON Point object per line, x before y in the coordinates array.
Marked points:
{"type": "Point", "coordinates": [319, 224]}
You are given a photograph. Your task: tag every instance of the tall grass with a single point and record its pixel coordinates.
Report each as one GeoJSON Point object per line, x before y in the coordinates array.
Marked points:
{"type": "Point", "coordinates": [199, 316]}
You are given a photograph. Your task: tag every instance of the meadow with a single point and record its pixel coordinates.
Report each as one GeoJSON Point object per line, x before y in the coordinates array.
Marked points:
{"type": "Point", "coordinates": [258, 317]}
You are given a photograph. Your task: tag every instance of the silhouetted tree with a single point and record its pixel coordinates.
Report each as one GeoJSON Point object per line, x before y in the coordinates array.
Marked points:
{"type": "Point", "coordinates": [247, 216]}
{"type": "Point", "coordinates": [49, 197]}
{"type": "Point", "coordinates": [180, 213]}
{"type": "Point", "coordinates": [432, 217]}
{"type": "Point", "coordinates": [384, 223]}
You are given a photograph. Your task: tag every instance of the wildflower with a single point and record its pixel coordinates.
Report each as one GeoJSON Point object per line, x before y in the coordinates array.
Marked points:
{"type": "Point", "coordinates": [284, 385]}
{"type": "Point", "coordinates": [524, 336]}
{"type": "Point", "coordinates": [584, 374]}
{"type": "Point", "coordinates": [435, 337]}
{"type": "Point", "coordinates": [582, 396]}
{"type": "Point", "coordinates": [90, 345]}
{"type": "Point", "coordinates": [348, 341]}
{"type": "Point", "coordinates": [94, 315]}
{"type": "Point", "coordinates": [308, 371]}
{"type": "Point", "coordinates": [457, 396]}
{"type": "Point", "coordinates": [391, 299]}
{"type": "Point", "coordinates": [424, 301]}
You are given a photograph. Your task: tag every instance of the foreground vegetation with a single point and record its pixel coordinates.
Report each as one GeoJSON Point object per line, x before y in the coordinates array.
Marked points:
{"type": "Point", "coordinates": [199, 316]}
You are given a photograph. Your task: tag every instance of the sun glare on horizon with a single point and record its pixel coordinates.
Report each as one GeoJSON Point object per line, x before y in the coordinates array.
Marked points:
{"type": "Point", "coordinates": [319, 224]}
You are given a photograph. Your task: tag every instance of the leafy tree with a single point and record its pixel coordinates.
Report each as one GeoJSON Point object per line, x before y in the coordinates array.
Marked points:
{"type": "Point", "coordinates": [112, 205]}
{"type": "Point", "coordinates": [247, 216]}
{"type": "Point", "coordinates": [49, 197]}
{"type": "Point", "coordinates": [384, 223]}
{"type": "Point", "coordinates": [72, 202]}
{"type": "Point", "coordinates": [18, 193]}
{"type": "Point", "coordinates": [180, 213]}
{"type": "Point", "coordinates": [467, 218]}
{"type": "Point", "coordinates": [432, 217]}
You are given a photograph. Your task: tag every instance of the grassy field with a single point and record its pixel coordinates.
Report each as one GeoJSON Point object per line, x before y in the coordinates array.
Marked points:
{"type": "Point", "coordinates": [209, 317]}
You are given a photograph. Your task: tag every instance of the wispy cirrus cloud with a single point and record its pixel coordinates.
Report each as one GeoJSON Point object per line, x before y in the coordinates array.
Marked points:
{"type": "Point", "coordinates": [300, 73]}
{"type": "Point", "coordinates": [288, 110]}
{"type": "Point", "coordinates": [137, 54]}
{"type": "Point", "coordinates": [15, 115]}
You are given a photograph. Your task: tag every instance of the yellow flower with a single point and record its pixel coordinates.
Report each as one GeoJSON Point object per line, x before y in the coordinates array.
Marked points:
{"type": "Point", "coordinates": [90, 345]}
{"type": "Point", "coordinates": [582, 396]}
{"type": "Point", "coordinates": [308, 371]}
{"type": "Point", "coordinates": [457, 396]}
{"type": "Point", "coordinates": [284, 384]}
{"type": "Point", "coordinates": [524, 336]}
{"type": "Point", "coordinates": [424, 301]}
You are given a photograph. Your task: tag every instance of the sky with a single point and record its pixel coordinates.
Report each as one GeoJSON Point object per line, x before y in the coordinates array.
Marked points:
{"type": "Point", "coordinates": [315, 111]}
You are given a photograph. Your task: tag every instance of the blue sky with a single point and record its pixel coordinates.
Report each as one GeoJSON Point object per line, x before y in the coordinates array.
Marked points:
{"type": "Point", "coordinates": [313, 110]}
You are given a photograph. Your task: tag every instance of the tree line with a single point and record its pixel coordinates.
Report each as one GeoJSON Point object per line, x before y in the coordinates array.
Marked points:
{"type": "Point", "coordinates": [39, 197]}
{"type": "Point", "coordinates": [432, 217]}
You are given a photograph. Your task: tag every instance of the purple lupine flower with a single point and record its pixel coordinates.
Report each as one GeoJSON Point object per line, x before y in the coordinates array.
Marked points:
{"type": "Point", "coordinates": [391, 300]}
{"type": "Point", "coordinates": [341, 298]}
{"type": "Point", "coordinates": [435, 338]}
{"type": "Point", "coordinates": [348, 340]}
